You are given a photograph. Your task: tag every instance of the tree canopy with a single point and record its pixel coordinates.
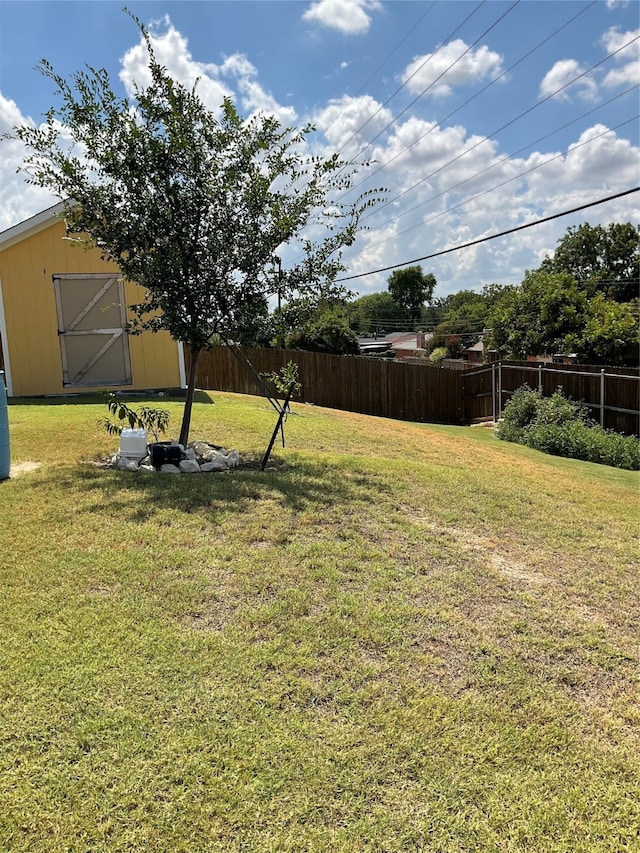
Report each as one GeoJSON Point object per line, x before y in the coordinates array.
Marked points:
{"type": "Point", "coordinates": [410, 288]}
{"type": "Point", "coordinates": [318, 327]}
{"type": "Point", "coordinates": [605, 260]}
{"type": "Point", "coordinates": [194, 206]}
{"type": "Point", "coordinates": [583, 300]}
{"type": "Point", "coordinates": [376, 312]}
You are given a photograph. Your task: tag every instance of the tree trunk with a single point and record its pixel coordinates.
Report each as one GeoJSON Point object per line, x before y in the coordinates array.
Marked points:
{"type": "Point", "coordinates": [188, 403]}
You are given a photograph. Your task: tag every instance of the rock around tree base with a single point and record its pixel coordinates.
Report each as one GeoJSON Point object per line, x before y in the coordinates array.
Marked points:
{"type": "Point", "coordinates": [199, 457]}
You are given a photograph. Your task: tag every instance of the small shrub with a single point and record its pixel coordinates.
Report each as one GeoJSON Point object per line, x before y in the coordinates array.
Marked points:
{"type": "Point", "coordinates": [518, 414]}
{"type": "Point", "coordinates": [438, 354]}
{"type": "Point", "coordinates": [559, 410]}
{"type": "Point", "coordinates": [562, 427]}
{"type": "Point", "coordinates": [589, 442]}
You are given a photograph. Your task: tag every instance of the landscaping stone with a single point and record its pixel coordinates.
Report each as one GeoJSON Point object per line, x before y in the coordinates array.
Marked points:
{"type": "Point", "coordinates": [217, 464]}
{"type": "Point", "coordinates": [198, 457]}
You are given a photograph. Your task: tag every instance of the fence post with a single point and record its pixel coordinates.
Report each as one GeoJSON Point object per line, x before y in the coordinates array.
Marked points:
{"type": "Point", "coordinates": [540, 379]}
{"type": "Point", "coordinates": [602, 398]}
{"type": "Point", "coordinates": [499, 390]}
{"type": "Point", "coordinates": [493, 391]}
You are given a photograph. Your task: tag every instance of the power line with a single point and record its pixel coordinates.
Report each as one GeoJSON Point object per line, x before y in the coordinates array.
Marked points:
{"type": "Point", "coordinates": [411, 30]}
{"type": "Point", "coordinates": [502, 127]}
{"type": "Point", "coordinates": [495, 186]}
{"type": "Point", "coordinates": [492, 236]}
{"type": "Point", "coordinates": [440, 122]}
{"type": "Point", "coordinates": [399, 89]}
{"type": "Point", "coordinates": [439, 77]}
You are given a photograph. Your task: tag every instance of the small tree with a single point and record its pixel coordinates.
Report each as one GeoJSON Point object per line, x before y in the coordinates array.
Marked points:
{"type": "Point", "coordinates": [191, 206]}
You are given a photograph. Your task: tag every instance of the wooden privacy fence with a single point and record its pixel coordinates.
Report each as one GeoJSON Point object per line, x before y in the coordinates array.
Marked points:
{"type": "Point", "coordinates": [370, 386]}
{"type": "Point", "coordinates": [423, 393]}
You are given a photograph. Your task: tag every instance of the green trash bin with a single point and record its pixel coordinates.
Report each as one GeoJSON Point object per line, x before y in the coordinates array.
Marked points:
{"type": "Point", "coordinates": [5, 451]}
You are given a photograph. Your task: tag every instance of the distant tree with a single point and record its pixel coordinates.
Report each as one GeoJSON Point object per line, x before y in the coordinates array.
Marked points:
{"type": "Point", "coordinates": [601, 260]}
{"type": "Point", "coordinates": [375, 312]}
{"type": "Point", "coordinates": [327, 332]}
{"type": "Point", "coordinates": [462, 317]}
{"type": "Point", "coordinates": [319, 327]}
{"type": "Point", "coordinates": [191, 206]}
{"type": "Point", "coordinates": [410, 288]}
{"type": "Point", "coordinates": [610, 332]}
{"type": "Point", "coordinates": [581, 300]}
{"type": "Point", "coordinates": [544, 315]}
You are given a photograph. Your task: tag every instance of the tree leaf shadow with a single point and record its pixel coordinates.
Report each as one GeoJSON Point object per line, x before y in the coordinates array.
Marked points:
{"type": "Point", "coordinates": [300, 485]}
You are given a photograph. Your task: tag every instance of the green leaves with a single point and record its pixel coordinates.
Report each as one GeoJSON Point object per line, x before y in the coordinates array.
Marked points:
{"type": "Point", "coordinates": [192, 204]}
{"type": "Point", "coordinates": [410, 288]}
{"type": "Point", "coordinates": [152, 420]}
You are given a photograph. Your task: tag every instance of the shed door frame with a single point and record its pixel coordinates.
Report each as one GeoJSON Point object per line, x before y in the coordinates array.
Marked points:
{"type": "Point", "coordinates": [73, 376]}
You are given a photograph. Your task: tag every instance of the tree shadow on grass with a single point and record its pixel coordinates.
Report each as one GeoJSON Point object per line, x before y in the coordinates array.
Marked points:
{"type": "Point", "coordinates": [299, 485]}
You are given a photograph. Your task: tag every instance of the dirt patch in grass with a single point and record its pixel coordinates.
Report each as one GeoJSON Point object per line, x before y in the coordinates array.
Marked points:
{"type": "Point", "coordinates": [22, 468]}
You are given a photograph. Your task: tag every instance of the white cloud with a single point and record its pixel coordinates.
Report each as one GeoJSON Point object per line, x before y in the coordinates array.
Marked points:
{"type": "Point", "coordinates": [427, 177]}
{"type": "Point", "coordinates": [253, 97]}
{"type": "Point", "coordinates": [508, 193]}
{"type": "Point", "coordinates": [172, 51]}
{"type": "Point", "coordinates": [18, 200]}
{"type": "Point", "coordinates": [560, 80]}
{"type": "Point", "coordinates": [627, 43]}
{"type": "Point", "coordinates": [214, 82]}
{"type": "Point", "coordinates": [352, 121]}
{"type": "Point", "coordinates": [347, 16]}
{"type": "Point", "coordinates": [628, 58]}
{"type": "Point", "coordinates": [453, 64]}
{"type": "Point", "coordinates": [626, 46]}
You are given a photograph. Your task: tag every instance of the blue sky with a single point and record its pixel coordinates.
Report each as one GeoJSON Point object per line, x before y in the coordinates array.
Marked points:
{"type": "Point", "coordinates": [480, 116]}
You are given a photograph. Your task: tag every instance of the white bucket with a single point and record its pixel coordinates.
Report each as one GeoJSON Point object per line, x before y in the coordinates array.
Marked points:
{"type": "Point", "coordinates": [133, 443]}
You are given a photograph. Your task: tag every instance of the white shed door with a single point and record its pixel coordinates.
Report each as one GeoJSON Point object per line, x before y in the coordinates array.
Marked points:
{"type": "Point", "coordinates": [92, 329]}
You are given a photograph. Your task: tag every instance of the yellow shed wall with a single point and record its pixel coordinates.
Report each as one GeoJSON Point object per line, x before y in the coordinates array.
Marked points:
{"type": "Point", "coordinates": [26, 271]}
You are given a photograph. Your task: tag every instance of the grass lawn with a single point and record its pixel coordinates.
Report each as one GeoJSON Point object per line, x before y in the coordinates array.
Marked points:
{"type": "Point", "coordinates": [397, 638]}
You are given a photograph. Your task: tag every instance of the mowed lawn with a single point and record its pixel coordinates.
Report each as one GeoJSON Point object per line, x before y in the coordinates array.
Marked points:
{"type": "Point", "coordinates": [397, 638]}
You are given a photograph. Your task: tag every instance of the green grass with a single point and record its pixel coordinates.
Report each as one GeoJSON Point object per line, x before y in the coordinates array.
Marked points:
{"type": "Point", "coordinates": [397, 638]}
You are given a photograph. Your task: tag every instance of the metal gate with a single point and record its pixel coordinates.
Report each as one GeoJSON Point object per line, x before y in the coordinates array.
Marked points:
{"type": "Point", "coordinates": [92, 330]}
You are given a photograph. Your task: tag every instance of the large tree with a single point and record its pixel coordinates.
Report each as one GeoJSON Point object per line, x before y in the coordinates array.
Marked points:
{"type": "Point", "coordinates": [581, 300]}
{"type": "Point", "coordinates": [544, 315]}
{"type": "Point", "coordinates": [410, 288]}
{"type": "Point", "coordinates": [194, 206]}
{"type": "Point", "coordinates": [549, 314]}
{"type": "Point", "coordinates": [605, 260]}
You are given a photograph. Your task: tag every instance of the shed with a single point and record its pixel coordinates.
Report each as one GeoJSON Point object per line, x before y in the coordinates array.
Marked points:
{"type": "Point", "coordinates": [63, 319]}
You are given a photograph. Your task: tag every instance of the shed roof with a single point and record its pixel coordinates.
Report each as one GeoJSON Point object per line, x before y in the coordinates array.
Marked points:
{"type": "Point", "coordinates": [17, 233]}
